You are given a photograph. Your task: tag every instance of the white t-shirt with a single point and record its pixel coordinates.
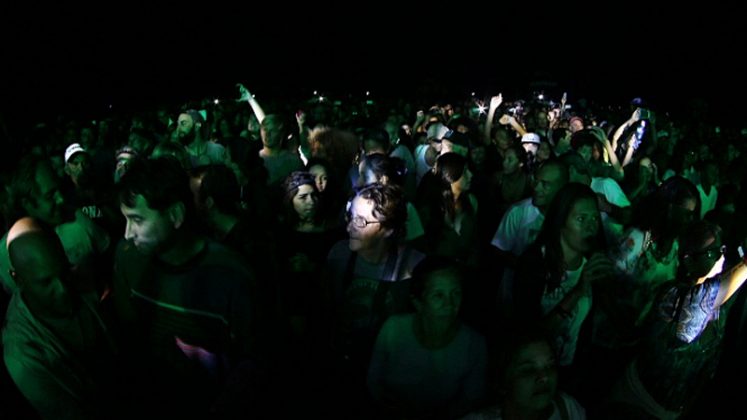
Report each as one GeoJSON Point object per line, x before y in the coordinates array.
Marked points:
{"type": "Point", "coordinates": [519, 227]}
{"type": "Point", "coordinates": [612, 192]}
{"type": "Point", "coordinates": [567, 339]}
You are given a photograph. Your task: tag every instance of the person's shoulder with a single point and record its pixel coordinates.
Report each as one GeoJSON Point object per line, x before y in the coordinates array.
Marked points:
{"type": "Point", "coordinates": [574, 410]}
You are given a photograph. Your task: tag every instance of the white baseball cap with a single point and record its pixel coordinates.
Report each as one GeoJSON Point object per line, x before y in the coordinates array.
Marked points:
{"type": "Point", "coordinates": [72, 150]}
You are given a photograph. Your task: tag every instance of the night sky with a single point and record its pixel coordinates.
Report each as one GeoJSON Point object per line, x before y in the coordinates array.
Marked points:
{"type": "Point", "coordinates": [129, 54]}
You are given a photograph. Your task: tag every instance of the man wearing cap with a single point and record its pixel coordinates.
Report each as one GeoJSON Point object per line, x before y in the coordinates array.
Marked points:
{"type": "Point", "coordinates": [77, 164]}
{"type": "Point", "coordinates": [191, 131]}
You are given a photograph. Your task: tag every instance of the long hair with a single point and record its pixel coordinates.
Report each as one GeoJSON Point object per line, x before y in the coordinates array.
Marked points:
{"type": "Point", "coordinates": [291, 184]}
{"type": "Point", "coordinates": [382, 165]}
{"type": "Point", "coordinates": [449, 168]}
{"type": "Point", "coordinates": [555, 219]}
{"type": "Point", "coordinates": [653, 211]}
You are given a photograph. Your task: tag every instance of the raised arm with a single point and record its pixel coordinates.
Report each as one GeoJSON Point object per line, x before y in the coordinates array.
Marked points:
{"type": "Point", "coordinates": [247, 97]}
{"type": "Point", "coordinates": [730, 282]}
{"type": "Point", "coordinates": [510, 120]}
{"type": "Point", "coordinates": [495, 102]}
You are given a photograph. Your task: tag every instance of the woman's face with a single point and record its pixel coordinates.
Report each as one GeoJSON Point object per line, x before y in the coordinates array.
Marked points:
{"type": "Point", "coordinates": [304, 202]}
{"type": "Point", "coordinates": [364, 228]}
{"type": "Point", "coordinates": [532, 377]}
{"type": "Point", "coordinates": [320, 177]}
{"type": "Point", "coordinates": [581, 226]}
{"type": "Point", "coordinates": [441, 298]}
{"type": "Point", "coordinates": [511, 162]}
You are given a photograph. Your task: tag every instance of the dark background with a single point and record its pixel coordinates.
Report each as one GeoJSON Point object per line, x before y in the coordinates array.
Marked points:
{"type": "Point", "coordinates": [133, 55]}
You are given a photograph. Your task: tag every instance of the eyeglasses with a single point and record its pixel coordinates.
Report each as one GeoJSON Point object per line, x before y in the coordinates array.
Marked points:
{"type": "Point", "coordinates": [359, 221]}
{"type": "Point", "coordinates": [711, 253]}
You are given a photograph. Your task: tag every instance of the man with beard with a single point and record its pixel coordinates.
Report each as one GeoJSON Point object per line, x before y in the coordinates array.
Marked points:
{"type": "Point", "coordinates": [191, 131]}
{"type": "Point", "coordinates": [187, 304]}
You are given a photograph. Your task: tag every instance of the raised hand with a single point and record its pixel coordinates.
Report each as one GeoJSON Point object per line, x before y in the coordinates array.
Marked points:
{"type": "Point", "coordinates": [244, 92]}
{"type": "Point", "coordinates": [597, 268]}
{"type": "Point", "coordinates": [496, 101]}
{"type": "Point", "coordinates": [505, 119]}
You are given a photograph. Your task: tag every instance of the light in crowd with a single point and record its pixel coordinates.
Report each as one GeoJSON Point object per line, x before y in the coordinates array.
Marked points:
{"type": "Point", "coordinates": [540, 96]}
{"type": "Point", "coordinates": [216, 102]}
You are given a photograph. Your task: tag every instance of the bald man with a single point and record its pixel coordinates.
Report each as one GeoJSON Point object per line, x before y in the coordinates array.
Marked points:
{"type": "Point", "coordinates": [55, 344]}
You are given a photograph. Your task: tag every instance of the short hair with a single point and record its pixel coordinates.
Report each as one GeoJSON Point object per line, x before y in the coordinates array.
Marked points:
{"type": "Point", "coordinates": [390, 207]}
{"type": "Point", "coordinates": [383, 165]}
{"type": "Point", "coordinates": [378, 136]}
{"type": "Point", "coordinates": [557, 163]}
{"type": "Point", "coordinates": [429, 265]}
{"type": "Point", "coordinates": [573, 160]}
{"type": "Point", "coordinates": [161, 182]}
{"type": "Point", "coordinates": [219, 183]}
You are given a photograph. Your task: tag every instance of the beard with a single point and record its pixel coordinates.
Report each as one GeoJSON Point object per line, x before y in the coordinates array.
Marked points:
{"type": "Point", "coordinates": [187, 138]}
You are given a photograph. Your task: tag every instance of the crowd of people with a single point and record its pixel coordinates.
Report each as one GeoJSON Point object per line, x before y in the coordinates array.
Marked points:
{"type": "Point", "coordinates": [460, 259]}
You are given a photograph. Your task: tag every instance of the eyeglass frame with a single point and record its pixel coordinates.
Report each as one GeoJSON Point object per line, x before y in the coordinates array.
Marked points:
{"type": "Point", "coordinates": [357, 220]}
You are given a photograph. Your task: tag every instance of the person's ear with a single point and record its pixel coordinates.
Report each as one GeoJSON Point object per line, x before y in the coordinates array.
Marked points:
{"type": "Point", "coordinates": [384, 180]}
{"type": "Point", "coordinates": [177, 213]}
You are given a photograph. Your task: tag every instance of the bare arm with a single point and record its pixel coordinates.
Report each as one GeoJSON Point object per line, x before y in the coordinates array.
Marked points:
{"type": "Point", "coordinates": [248, 97]}
{"type": "Point", "coordinates": [495, 102]}
{"type": "Point", "coordinates": [731, 282]}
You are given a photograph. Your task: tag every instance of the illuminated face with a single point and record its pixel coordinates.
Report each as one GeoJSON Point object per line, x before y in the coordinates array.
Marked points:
{"type": "Point", "coordinates": [148, 229]}
{"type": "Point", "coordinates": [547, 183]}
{"type": "Point", "coordinates": [581, 226]}
{"type": "Point", "coordinates": [511, 162]}
{"type": "Point", "coordinates": [576, 125]}
{"type": "Point", "coordinates": [320, 177]}
{"type": "Point", "coordinates": [46, 202]}
{"type": "Point", "coordinates": [271, 132]}
{"type": "Point", "coordinates": [532, 377]}
{"type": "Point", "coordinates": [530, 147]}
{"type": "Point", "coordinates": [77, 167]}
{"type": "Point", "coordinates": [364, 229]}
{"type": "Point", "coordinates": [441, 298]}
{"type": "Point", "coordinates": [185, 127]}
{"type": "Point", "coordinates": [304, 202]}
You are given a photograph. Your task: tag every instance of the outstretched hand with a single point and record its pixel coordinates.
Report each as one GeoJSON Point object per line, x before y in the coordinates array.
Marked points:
{"type": "Point", "coordinates": [244, 92]}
